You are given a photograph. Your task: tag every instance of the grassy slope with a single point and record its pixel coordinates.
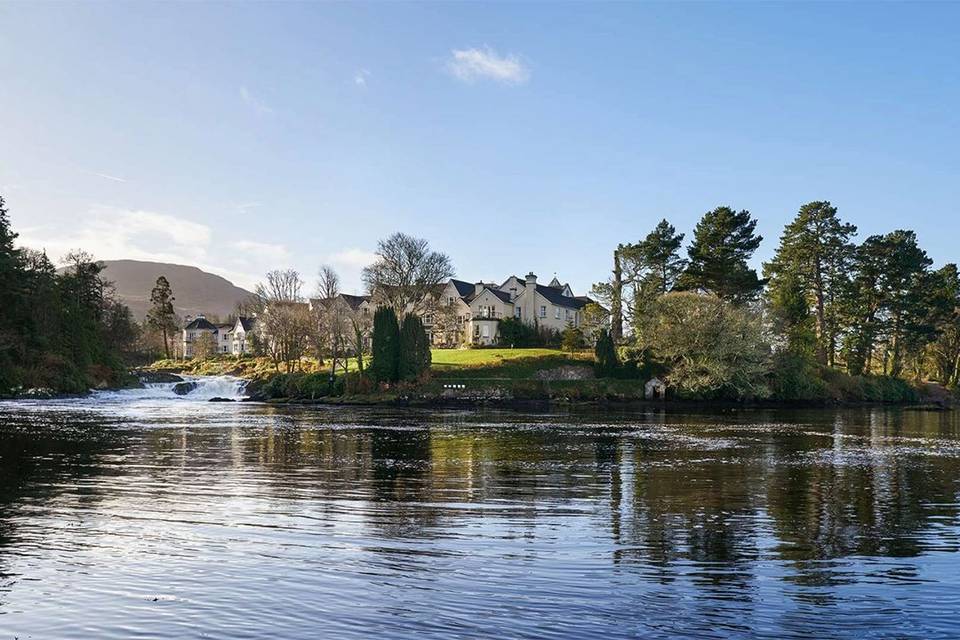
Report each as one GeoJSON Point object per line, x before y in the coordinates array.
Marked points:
{"type": "Point", "coordinates": [460, 363]}
{"type": "Point", "coordinates": [501, 363]}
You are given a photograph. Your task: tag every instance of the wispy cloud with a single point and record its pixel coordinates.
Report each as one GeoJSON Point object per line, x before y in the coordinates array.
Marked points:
{"type": "Point", "coordinates": [276, 253]}
{"type": "Point", "coordinates": [246, 206]}
{"type": "Point", "coordinates": [255, 103]}
{"type": "Point", "coordinates": [360, 77]}
{"type": "Point", "coordinates": [470, 65]}
{"type": "Point", "coordinates": [106, 176]}
{"type": "Point", "coordinates": [112, 233]}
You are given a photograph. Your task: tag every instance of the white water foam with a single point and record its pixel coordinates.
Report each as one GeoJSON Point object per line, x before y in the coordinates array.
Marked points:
{"type": "Point", "coordinates": [205, 388]}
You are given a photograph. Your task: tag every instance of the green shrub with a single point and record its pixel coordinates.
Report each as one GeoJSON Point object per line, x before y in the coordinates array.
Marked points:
{"type": "Point", "coordinates": [607, 360]}
{"type": "Point", "coordinates": [796, 377]}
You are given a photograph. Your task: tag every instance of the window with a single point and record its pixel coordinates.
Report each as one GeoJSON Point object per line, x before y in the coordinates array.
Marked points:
{"type": "Point", "coordinates": [516, 312]}
{"type": "Point", "coordinates": [449, 299]}
{"type": "Point", "coordinates": [556, 312]}
{"type": "Point", "coordinates": [543, 311]}
{"type": "Point", "coordinates": [486, 331]}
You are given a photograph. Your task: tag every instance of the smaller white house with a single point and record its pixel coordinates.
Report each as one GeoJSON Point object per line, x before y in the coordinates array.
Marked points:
{"type": "Point", "coordinates": [224, 338]}
{"type": "Point", "coordinates": [194, 330]}
{"type": "Point", "coordinates": [241, 336]}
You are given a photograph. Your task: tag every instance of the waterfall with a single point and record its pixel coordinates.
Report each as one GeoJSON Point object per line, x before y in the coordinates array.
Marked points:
{"type": "Point", "coordinates": [203, 388]}
{"type": "Point", "coordinates": [217, 387]}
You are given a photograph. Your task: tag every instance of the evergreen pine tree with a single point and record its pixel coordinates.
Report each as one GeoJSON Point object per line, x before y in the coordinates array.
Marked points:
{"type": "Point", "coordinates": [723, 241]}
{"type": "Point", "coordinates": [813, 259]}
{"type": "Point", "coordinates": [161, 316]}
{"type": "Point", "coordinates": [386, 346]}
{"type": "Point", "coordinates": [414, 348]}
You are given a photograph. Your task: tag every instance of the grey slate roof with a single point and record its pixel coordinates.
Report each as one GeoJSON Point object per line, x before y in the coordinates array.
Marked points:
{"type": "Point", "coordinates": [463, 288]}
{"type": "Point", "coordinates": [200, 323]}
{"type": "Point", "coordinates": [556, 297]}
{"type": "Point", "coordinates": [354, 301]}
{"type": "Point", "coordinates": [246, 323]}
{"type": "Point", "coordinates": [503, 295]}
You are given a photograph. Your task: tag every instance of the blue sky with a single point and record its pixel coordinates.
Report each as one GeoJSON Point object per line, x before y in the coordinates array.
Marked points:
{"type": "Point", "coordinates": [515, 137]}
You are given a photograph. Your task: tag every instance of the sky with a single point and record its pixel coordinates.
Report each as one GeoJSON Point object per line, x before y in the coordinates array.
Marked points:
{"type": "Point", "coordinates": [244, 137]}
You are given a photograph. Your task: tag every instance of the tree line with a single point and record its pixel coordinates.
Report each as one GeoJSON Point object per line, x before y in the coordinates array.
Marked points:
{"type": "Point", "coordinates": [824, 303]}
{"type": "Point", "coordinates": [59, 330]}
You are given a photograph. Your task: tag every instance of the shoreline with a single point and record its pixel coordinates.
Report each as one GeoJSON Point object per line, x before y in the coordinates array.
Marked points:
{"type": "Point", "coordinates": [519, 404]}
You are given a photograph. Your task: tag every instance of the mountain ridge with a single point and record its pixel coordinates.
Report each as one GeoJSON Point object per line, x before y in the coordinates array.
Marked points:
{"type": "Point", "coordinates": [195, 291]}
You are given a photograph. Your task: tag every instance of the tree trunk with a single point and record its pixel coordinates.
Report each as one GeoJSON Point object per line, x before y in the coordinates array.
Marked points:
{"type": "Point", "coordinates": [821, 319]}
{"type": "Point", "coordinates": [166, 343]}
{"type": "Point", "coordinates": [616, 300]}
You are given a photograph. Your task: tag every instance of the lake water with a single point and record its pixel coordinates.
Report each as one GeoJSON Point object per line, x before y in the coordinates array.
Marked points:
{"type": "Point", "coordinates": [143, 515]}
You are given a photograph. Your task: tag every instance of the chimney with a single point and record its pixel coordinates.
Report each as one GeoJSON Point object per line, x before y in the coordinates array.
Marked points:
{"type": "Point", "coordinates": [529, 310]}
{"type": "Point", "coordinates": [477, 288]}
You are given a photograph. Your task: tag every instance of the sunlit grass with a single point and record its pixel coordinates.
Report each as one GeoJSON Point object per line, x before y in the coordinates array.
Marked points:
{"type": "Point", "coordinates": [501, 363]}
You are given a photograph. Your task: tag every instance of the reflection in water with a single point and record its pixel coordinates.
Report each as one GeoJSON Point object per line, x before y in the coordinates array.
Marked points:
{"type": "Point", "coordinates": [120, 519]}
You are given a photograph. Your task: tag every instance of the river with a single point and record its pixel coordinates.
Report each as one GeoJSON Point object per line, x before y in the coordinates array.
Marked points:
{"type": "Point", "coordinates": [141, 514]}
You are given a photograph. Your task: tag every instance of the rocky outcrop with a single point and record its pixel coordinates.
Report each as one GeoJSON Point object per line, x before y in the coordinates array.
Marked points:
{"type": "Point", "coordinates": [156, 377]}
{"type": "Point", "coordinates": [183, 388]}
{"type": "Point", "coordinates": [566, 372]}
{"type": "Point", "coordinates": [219, 399]}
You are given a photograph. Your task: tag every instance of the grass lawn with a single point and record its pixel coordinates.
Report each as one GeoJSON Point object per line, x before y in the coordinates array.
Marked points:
{"type": "Point", "coordinates": [501, 363]}
{"type": "Point", "coordinates": [515, 364]}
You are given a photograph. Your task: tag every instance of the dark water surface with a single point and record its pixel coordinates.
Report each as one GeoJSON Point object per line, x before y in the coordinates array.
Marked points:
{"type": "Point", "coordinates": [147, 517]}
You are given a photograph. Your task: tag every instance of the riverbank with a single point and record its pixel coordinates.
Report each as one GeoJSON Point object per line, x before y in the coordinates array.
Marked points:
{"type": "Point", "coordinates": [511, 378]}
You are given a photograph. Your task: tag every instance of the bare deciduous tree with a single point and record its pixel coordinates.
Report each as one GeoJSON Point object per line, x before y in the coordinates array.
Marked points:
{"type": "Point", "coordinates": [331, 320]}
{"type": "Point", "coordinates": [282, 285]}
{"type": "Point", "coordinates": [406, 273]}
{"type": "Point", "coordinates": [285, 323]}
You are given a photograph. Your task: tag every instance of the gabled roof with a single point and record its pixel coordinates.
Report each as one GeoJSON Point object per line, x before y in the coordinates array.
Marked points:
{"type": "Point", "coordinates": [555, 284]}
{"type": "Point", "coordinates": [351, 301]}
{"type": "Point", "coordinates": [517, 278]}
{"type": "Point", "coordinates": [246, 323]}
{"type": "Point", "coordinates": [463, 288]}
{"type": "Point", "coordinates": [354, 302]}
{"type": "Point", "coordinates": [556, 297]}
{"type": "Point", "coordinates": [502, 295]}
{"type": "Point", "coordinates": [200, 323]}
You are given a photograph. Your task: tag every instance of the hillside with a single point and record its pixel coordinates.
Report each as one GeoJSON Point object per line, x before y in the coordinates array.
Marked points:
{"type": "Point", "coordinates": [196, 291]}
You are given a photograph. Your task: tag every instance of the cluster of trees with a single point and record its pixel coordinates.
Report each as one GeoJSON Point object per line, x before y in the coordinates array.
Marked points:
{"type": "Point", "coordinates": [824, 302]}
{"type": "Point", "coordinates": [405, 279]}
{"type": "Point", "coordinates": [62, 330]}
{"type": "Point", "coordinates": [401, 350]}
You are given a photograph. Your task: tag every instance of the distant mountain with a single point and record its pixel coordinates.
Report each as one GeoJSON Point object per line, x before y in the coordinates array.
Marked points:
{"type": "Point", "coordinates": [196, 291]}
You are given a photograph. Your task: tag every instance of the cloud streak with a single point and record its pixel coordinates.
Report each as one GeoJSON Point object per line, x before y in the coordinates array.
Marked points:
{"type": "Point", "coordinates": [106, 176]}
{"type": "Point", "coordinates": [471, 65]}
{"type": "Point", "coordinates": [259, 107]}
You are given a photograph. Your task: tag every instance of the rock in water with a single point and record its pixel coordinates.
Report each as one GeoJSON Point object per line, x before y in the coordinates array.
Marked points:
{"type": "Point", "coordinates": [150, 377]}
{"type": "Point", "coordinates": [183, 388]}
{"type": "Point", "coordinates": [219, 399]}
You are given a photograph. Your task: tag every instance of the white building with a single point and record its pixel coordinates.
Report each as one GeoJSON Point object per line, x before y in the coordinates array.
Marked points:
{"type": "Point", "coordinates": [241, 337]}
{"type": "Point", "coordinates": [479, 308]}
{"type": "Point", "coordinates": [194, 330]}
